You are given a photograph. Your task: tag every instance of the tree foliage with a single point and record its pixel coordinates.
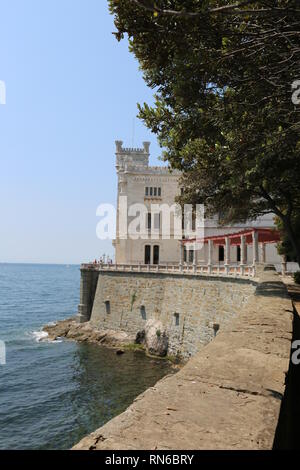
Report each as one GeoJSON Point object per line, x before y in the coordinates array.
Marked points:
{"type": "Point", "coordinates": [285, 247]}
{"type": "Point", "coordinates": [222, 72]}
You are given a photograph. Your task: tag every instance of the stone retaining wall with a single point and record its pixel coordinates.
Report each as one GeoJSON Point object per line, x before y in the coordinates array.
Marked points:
{"type": "Point", "coordinates": [191, 308]}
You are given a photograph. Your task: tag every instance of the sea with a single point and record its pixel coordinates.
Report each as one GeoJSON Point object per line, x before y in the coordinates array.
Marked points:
{"type": "Point", "coordinates": [52, 394]}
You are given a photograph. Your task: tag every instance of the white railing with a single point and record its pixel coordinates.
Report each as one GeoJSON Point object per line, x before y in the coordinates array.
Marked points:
{"type": "Point", "coordinates": [237, 270]}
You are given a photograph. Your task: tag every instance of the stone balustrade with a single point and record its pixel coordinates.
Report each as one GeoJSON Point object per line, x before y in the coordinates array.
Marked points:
{"type": "Point", "coordinates": [232, 270]}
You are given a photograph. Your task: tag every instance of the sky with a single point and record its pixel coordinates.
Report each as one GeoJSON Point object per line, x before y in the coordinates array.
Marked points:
{"type": "Point", "coordinates": [71, 91]}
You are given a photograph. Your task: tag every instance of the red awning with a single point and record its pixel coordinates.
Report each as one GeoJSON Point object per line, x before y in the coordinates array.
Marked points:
{"type": "Point", "coordinates": [265, 235]}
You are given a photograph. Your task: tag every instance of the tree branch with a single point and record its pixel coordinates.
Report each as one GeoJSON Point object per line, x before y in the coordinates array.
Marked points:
{"type": "Point", "coordinates": [235, 8]}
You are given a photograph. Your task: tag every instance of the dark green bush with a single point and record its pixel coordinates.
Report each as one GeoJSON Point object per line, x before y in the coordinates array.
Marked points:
{"type": "Point", "coordinates": [297, 277]}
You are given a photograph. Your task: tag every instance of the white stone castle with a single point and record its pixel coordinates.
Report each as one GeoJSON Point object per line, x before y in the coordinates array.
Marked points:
{"type": "Point", "coordinates": [243, 244]}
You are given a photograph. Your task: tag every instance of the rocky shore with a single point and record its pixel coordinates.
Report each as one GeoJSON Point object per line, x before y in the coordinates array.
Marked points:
{"type": "Point", "coordinates": [85, 332]}
{"type": "Point", "coordinates": [153, 338]}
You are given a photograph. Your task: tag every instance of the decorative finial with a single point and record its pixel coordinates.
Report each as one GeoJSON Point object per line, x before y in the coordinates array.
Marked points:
{"type": "Point", "coordinates": [119, 144]}
{"type": "Point", "coordinates": [146, 146]}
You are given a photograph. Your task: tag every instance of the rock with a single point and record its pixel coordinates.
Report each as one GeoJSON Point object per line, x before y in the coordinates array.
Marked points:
{"type": "Point", "coordinates": [156, 339]}
{"type": "Point", "coordinates": [59, 329]}
{"type": "Point", "coordinates": [119, 352]}
{"type": "Point", "coordinates": [86, 332]}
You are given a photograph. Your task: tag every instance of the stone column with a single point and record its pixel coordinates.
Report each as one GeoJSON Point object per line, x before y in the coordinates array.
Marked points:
{"type": "Point", "coordinates": [181, 254]}
{"type": "Point", "coordinates": [195, 255]}
{"type": "Point", "coordinates": [195, 258]}
{"type": "Point", "coordinates": [209, 262]}
{"type": "Point", "coordinates": [243, 260]}
{"type": "Point", "coordinates": [283, 265]}
{"type": "Point", "coordinates": [263, 252]}
{"type": "Point", "coordinates": [187, 254]}
{"type": "Point", "coordinates": [227, 255]}
{"type": "Point", "coordinates": [255, 247]}
{"type": "Point", "coordinates": [243, 246]}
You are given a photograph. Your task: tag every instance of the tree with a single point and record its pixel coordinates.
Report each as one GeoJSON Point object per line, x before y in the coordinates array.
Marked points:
{"type": "Point", "coordinates": [285, 247]}
{"type": "Point", "coordinates": [222, 73]}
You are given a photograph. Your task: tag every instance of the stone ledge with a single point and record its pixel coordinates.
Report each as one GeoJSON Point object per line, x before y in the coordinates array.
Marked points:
{"type": "Point", "coordinates": [228, 396]}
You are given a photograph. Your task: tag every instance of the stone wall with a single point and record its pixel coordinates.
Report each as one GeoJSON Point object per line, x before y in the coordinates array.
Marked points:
{"type": "Point", "coordinates": [88, 285]}
{"type": "Point", "coordinates": [191, 308]}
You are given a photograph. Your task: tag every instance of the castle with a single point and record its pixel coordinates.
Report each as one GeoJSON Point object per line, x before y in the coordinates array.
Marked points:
{"type": "Point", "coordinates": [157, 186]}
{"type": "Point", "coordinates": [175, 296]}
{"type": "Point", "coordinates": [190, 286]}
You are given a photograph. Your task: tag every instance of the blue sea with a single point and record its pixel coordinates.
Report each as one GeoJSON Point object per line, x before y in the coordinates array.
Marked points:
{"type": "Point", "coordinates": [54, 393]}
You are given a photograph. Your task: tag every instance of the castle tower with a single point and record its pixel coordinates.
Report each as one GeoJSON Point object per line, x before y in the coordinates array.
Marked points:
{"type": "Point", "coordinates": [127, 158]}
{"type": "Point", "coordinates": [147, 185]}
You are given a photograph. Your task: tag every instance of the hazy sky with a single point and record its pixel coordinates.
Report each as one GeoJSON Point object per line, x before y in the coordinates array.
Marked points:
{"type": "Point", "coordinates": [71, 91]}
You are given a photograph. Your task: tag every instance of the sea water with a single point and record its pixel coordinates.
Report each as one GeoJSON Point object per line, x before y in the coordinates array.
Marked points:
{"type": "Point", "coordinates": [54, 393]}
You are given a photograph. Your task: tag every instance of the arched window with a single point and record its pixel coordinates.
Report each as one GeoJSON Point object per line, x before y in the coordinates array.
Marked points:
{"type": "Point", "coordinates": [107, 307]}
{"type": "Point", "coordinates": [147, 254]}
{"type": "Point", "coordinates": [143, 312]}
{"type": "Point", "coordinates": [156, 254]}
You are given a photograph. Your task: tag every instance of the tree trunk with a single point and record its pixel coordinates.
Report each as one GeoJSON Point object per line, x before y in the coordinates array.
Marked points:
{"type": "Point", "coordinates": [291, 234]}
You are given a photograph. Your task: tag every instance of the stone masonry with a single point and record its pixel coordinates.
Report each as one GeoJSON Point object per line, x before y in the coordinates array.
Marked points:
{"type": "Point", "coordinates": [192, 309]}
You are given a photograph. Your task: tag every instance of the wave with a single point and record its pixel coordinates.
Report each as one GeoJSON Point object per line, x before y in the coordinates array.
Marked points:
{"type": "Point", "coordinates": [42, 336]}
{"type": "Point", "coordinates": [39, 335]}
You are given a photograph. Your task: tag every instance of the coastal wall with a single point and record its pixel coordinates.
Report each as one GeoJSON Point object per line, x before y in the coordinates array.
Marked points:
{"type": "Point", "coordinates": [191, 308]}
{"type": "Point", "coordinates": [228, 396]}
{"type": "Point", "coordinates": [88, 286]}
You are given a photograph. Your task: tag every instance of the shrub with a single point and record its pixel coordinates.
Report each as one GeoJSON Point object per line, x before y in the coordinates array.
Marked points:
{"type": "Point", "coordinates": [297, 277]}
{"type": "Point", "coordinates": [132, 300]}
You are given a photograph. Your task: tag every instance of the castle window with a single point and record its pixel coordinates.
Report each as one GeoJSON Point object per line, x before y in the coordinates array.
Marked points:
{"type": "Point", "coordinates": [107, 306]}
{"type": "Point", "coordinates": [176, 316]}
{"type": "Point", "coordinates": [148, 221]}
{"type": "Point", "coordinates": [143, 312]}
{"type": "Point", "coordinates": [152, 192]}
{"type": "Point", "coordinates": [156, 254]}
{"type": "Point", "coordinates": [147, 254]}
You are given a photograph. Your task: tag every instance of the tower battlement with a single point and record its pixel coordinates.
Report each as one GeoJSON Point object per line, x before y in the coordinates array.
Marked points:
{"type": "Point", "coordinates": [131, 150]}
{"type": "Point", "coordinates": [132, 157]}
